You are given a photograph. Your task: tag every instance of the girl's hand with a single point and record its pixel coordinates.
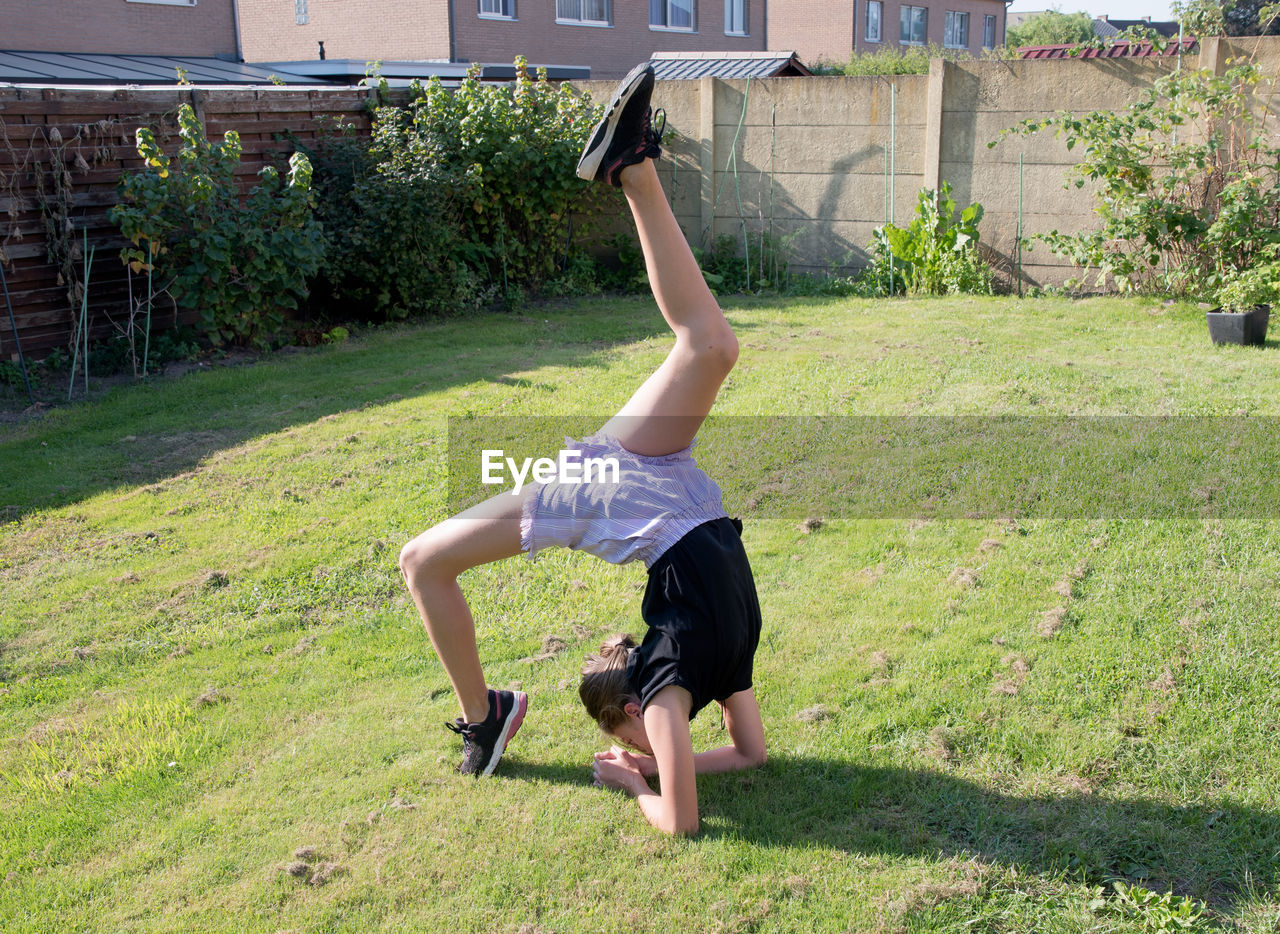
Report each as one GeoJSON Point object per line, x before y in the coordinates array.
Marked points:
{"type": "Point", "coordinates": [617, 768]}
{"type": "Point", "coordinates": [647, 765]}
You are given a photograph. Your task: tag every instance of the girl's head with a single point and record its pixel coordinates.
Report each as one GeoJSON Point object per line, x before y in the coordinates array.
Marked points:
{"type": "Point", "coordinates": [607, 694]}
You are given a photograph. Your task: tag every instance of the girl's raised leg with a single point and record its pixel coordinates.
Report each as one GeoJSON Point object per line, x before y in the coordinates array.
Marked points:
{"type": "Point", "coordinates": [667, 410]}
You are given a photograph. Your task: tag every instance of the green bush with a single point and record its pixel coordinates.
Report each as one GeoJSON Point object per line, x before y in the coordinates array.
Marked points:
{"type": "Point", "coordinates": [391, 228]}
{"type": "Point", "coordinates": [1186, 184]}
{"type": "Point", "coordinates": [1052, 27]}
{"type": "Point", "coordinates": [240, 264]}
{"type": "Point", "coordinates": [890, 60]}
{"type": "Point", "coordinates": [936, 254]}
{"type": "Point", "coordinates": [506, 154]}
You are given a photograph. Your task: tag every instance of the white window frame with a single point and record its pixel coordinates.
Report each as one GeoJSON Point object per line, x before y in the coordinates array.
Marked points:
{"type": "Point", "coordinates": [911, 11]}
{"type": "Point", "coordinates": [578, 20]}
{"type": "Point", "coordinates": [667, 6]}
{"type": "Point", "coordinates": [738, 7]}
{"type": "Point", "coordinates": [301, 15]}
{"type": "Point", "coordinates": [488, 14]}
{"type": "Point", "coordinates": [988, 20]}
{"type": "Point", "coordinates": [165, 2]}
{"type": "Point", "coordinates": [956, 20]}
{"type": "Point", "coordinates": [866, 29]}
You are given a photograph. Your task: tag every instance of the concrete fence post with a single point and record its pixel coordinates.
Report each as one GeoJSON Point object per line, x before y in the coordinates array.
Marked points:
{"type": "Point", "coordinates": [933, 123]}
{"type": "Point", "coordinates": [1211, 54]}
{"type": "Point", "coordinates": [707, 115]}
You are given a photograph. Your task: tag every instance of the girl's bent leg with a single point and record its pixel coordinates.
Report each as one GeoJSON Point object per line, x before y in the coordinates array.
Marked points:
{"type": "Point", "coordinates": [431, 564]}
{"type": "Point", "coordinates": [666, 412]}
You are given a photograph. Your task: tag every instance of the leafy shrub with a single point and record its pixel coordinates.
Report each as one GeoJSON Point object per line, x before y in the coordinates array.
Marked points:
{"type": "Point", "coordinates": [1051, 27]}
{"type": "Point", "coordinates": [240, 264]}
{"type": "Point", "coordinates": [581, 275]}
{"type": "Point", "coordinates": [907, 60]}
{"type": "Point", "coordinates": [506, 154]}
{"type": "Point", "coordinates": [1259, 284]}
{"type": "Point", "coordinates": [393, 233]}
{"type": "Point", "coordinates": [1186, 181]}
{"type": "Point", "coordinates": [936, 254]}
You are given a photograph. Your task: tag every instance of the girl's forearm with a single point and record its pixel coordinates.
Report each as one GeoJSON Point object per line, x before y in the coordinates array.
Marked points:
{"type": "Point", "coordinates": [724, 759]}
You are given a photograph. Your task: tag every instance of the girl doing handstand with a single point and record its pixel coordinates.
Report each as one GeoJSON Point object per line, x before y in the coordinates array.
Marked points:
{"type": "Point", "coordinates": [700, 604]}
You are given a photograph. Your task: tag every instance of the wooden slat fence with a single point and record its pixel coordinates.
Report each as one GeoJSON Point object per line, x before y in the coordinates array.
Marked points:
{"type": "Point", "coordinates": [67, 148]}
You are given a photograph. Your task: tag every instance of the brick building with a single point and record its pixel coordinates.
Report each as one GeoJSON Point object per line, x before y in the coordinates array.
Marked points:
{"type": "Point", "coordinates": [609, 36]}
{"type": "Point", "coordinates": [834, 29]}
{"type": "Point", "coordinates": [126, 27]}
{"type": "Point", "coordinates": [606, 35]}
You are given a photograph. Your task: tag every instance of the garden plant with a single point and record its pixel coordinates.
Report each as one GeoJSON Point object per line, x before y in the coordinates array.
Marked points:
{"type": "Point", "coordinates": [241, 264]}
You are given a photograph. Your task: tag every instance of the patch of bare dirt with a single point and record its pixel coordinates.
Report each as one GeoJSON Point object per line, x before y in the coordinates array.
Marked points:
{"type": "Point", "coordinates": [942, 744]}
{"type": "Point", "coordinates": [552, 645]}
{"type": "Point", "coordinates": [211, 698]}
{"type": "Point", "coordinates": [815, 714]}
{"type": "Point", "coordinates": [963, 577]}
{"type": "Point", "coordinates": [1015, 676]}
{"type": "Point", "coordinates": [1052, 621]}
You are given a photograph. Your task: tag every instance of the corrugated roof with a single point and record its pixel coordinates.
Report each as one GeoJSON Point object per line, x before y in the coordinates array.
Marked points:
{"type": "Point", "coordinates": [19, 67]}
{"type": "Point", "coordinates": [1114, 50]}
{"type": "Point", "coordinates": [669, 66]}
{"type": "Point", "coordinates": [1166, 28]}
{"type": "Point", "coordinates": [352, 71]}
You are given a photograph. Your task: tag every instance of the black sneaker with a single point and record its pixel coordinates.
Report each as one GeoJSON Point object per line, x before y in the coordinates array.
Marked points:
{"type": "Point", "coordinates": [483, 743]}
{"type": "Point", "coordinates": [627, 134]}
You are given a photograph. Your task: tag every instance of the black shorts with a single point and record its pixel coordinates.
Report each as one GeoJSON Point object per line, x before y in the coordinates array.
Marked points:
{"type": "Point", "coordinates": [703, 616]}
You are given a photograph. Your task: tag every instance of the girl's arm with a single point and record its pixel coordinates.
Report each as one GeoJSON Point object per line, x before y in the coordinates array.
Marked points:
{"type": "Point", "coordinates": [746, 731]}
{"type": "Point", "coordinates": [666, 722]}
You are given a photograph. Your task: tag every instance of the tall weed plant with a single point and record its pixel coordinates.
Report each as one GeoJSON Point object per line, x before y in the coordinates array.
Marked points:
{"type": "Point", "coordinates": [242, 264]}
{"type": "Point", "coordinates": [935, 254]}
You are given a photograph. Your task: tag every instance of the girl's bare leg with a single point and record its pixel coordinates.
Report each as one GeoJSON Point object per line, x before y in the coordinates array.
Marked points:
{"type": "Point", "coordinates": [667, 410]}
{"type": "Point", "coordinates": [431, 564]}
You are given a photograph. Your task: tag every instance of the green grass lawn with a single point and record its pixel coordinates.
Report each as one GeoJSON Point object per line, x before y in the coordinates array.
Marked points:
{"type": "Point", "coordinates": [210, 672]}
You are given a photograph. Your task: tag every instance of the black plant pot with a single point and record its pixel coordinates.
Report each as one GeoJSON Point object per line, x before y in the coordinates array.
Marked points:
{"type": "Point", "coordinates": [1239, 327]}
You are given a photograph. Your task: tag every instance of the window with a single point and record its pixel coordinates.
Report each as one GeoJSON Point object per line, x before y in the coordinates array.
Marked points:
{"type": "Point", "coordinates": [988, 32]}
{"type": "Point", "coordinates": [671, 14]}
{"type": "Point", "coordinates": [583, 12]}
{"type": "Point", "coordinates": [498, 9]}
{"type": "Point", "coordinates": [300, 12]}
{"type": "Point", "coordinates": [735, 17]}
{"type": "Point", "coordinates": [167, 2]}
{"type": "Point", "coordinates": [874, 8]}
{"type": "Point", "coordinates": [956, 33]}
{"type": "Point", "coordinates": [915, 25]}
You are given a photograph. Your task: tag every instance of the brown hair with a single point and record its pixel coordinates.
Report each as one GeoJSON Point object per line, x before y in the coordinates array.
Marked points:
{"type": "Point", "coordinates": [605, 689]}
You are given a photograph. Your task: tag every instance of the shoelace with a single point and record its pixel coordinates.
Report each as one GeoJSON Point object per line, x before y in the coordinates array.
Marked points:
{"type": "Point", "coordinates": [655, 123]}
{"type": "Point", "coordinates": [462, 729]}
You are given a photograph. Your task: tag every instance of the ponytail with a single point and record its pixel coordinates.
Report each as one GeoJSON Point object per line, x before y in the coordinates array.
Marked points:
{"type": "Point", "coordinates": [605, 688]}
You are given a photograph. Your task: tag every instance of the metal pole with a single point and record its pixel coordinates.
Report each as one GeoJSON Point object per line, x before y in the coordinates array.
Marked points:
{"type": "Point", "coordinates": [17, 343]}
{"type": "Point", "coordinates": [1019, 224]}
{"type": "Point", "coordinates": [893, 173]}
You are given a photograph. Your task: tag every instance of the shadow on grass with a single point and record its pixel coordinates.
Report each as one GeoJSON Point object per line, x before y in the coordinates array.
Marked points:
{"type": "Point", "coordinates": [1218, 853]}
{"type": "Point", "coordinates": [140, 434]}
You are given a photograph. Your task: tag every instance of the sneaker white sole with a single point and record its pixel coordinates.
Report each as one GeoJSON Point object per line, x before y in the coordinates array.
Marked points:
{"type": "Point", "coordinates": [589, 164]}
{"type": "Point", "coordinates": [509, 727]}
